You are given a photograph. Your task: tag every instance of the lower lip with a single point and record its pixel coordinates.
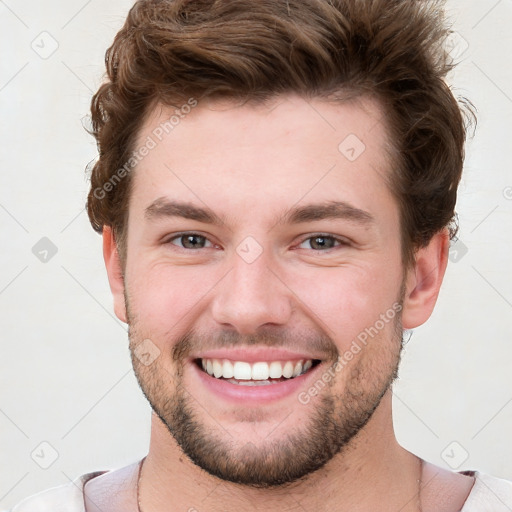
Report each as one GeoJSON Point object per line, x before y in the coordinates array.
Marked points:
{"type": "Point", "coordinates": [254, 394]}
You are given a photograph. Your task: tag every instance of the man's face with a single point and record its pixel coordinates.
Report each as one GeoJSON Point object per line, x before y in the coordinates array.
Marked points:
{"type": "Point", "coordinates": [264, 234]}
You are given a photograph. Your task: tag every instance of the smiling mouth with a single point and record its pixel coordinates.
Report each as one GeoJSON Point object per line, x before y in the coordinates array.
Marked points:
{"type": "Point", "coordinates": [260, 373]}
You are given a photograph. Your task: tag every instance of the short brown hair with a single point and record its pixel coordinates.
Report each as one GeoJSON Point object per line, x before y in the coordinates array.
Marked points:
{"type": "Point", "coordinates": [171, 50]}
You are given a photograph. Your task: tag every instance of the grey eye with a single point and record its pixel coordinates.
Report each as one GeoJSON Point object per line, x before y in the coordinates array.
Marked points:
{"type": "Point", "coordinates": [320, 242]}
{"type": "Point", "coordinates": [191, 241]}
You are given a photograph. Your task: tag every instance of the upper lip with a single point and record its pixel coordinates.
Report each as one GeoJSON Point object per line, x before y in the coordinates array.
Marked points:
{"type": "Point", "coordinates": [254, 355]}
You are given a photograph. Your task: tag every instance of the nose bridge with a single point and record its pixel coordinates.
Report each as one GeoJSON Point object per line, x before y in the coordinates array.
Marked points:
{"type": "Point", "coordinates": [251, 295]}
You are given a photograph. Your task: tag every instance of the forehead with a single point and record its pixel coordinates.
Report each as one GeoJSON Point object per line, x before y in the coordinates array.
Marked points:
{"type": "Point", "coordinates": [285, 151]}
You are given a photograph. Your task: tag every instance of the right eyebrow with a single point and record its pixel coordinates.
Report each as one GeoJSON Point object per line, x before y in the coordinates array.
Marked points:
{"type": "Point", "coordinates": [163, 207]}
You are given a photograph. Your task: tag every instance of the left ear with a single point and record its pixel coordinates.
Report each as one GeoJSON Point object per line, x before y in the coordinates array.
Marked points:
{"type": "Point", "coordinates": [424, 280]}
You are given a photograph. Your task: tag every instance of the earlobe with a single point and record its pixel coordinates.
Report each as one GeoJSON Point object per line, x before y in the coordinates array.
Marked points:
{"type": "Point", "coordinates": [114, 272]}
{"type": "Point", "coordinates": [424, 280]}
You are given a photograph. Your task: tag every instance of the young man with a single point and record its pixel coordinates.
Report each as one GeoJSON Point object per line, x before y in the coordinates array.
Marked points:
{"type": "Point", "coordinates": [275, 188]}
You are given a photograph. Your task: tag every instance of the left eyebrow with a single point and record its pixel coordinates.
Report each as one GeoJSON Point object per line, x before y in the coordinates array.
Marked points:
{"type": "Point", "coordinates": [328, 210]}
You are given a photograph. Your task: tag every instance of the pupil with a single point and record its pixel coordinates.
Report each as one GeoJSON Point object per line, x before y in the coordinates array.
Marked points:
{"type": "Point", "coordinates": [322, 242]}
{"type": "Point", "coordinates": [191, 241]}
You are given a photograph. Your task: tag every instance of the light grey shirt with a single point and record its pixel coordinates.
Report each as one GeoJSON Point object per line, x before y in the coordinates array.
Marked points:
{"type": "Point", "coordinates": [489, 494]}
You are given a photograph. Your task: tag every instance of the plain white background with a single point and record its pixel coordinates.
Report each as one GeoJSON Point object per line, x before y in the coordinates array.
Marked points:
{"type": "Point", "coordinates": [66, 377]}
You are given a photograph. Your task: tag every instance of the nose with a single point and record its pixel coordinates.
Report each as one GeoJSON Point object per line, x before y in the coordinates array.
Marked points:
{"type": "Point", "coordinates": [252, 295]}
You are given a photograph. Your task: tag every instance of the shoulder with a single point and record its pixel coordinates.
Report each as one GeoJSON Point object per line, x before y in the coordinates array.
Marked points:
{"type": "Point", "coordinates": [115, 491]}
{"type": "Point", "coordinates": [489, 493]}
{"type": "Point", "coordinates": [444, 490]}
{"type": "Point", "coordinates": [65, 498]}
{"type": "Point", "coordinates": [467, 491]}
{"type": "Point", "coordinates": [100, 490]}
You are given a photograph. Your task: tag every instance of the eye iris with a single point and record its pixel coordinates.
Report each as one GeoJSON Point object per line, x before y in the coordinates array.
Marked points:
{"type": "Point", "coordinates": [322, 242]}
{"type": "Point", "coordinates": [192, 241]}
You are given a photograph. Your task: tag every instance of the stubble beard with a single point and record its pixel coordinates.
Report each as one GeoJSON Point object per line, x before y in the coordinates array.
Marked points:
{"type": "Point", "coordinates": [336, 419]}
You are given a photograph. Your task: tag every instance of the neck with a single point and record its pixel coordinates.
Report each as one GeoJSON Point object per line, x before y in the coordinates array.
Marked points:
{"type": "Point", "coordinates": [373, 473]}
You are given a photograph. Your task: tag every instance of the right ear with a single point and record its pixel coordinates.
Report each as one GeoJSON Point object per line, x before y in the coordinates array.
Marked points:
{"type": "Point", "coordinates": [114, 272]}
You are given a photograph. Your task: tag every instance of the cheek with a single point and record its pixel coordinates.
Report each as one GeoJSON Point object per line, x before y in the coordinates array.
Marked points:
{"type": "Point", "coordinates": [346, 302]}
{"type": "Point", "coordinates": [165, 297]}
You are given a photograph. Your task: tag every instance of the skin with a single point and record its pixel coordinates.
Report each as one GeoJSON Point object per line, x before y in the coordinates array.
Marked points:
{"type": "Point", "coordinates": [249, 165]}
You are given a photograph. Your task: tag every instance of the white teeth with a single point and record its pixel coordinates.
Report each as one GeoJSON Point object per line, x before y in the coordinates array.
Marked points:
{"type": "Point", "coordinates": [288, 369]}
{"type": "Point", "coordinates": [250, 382]}
{"type": "Point", "coordinates": [297, 369]}
{"type": "Point", "coordinates": [217, 368]}
{"type": "Point", "coordinates": [275, 370]}
{"type": "Point", "coordinates": [227, 369]}
{"type": "Point", "coordinates": [260, 371]}
{"type": "Point", "coordinates": [242, 371]}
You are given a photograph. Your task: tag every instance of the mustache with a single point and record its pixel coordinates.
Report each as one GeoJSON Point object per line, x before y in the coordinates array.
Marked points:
{"type": "Point", "coordinates": [193, 342]}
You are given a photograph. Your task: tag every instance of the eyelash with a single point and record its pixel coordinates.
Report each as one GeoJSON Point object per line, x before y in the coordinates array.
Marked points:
{"type": "Point", "coordinates": [340, 242]}
{"type": "Point", "coordinates": [181, 235]}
